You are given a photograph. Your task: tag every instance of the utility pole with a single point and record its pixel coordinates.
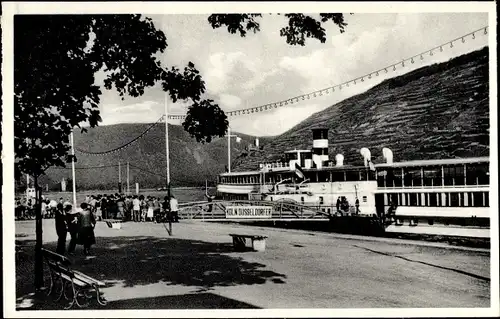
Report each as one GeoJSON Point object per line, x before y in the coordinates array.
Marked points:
{"type": "Point", "coordinates": [119, 178]}
{"type": "Point", "coordinates": [73, 169]}
{"type": "Point", "coordinates": [128, 178]}
{"type": "Point", "coordinates": [167, 154]}
{"type": "Point", "coordinates": [228, 149]}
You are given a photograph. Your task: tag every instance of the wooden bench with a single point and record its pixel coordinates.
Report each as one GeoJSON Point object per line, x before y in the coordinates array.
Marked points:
{"type": "Point", "coordinates": [258, 242]}
{"type": "Point", "coordinates": [79, 283]}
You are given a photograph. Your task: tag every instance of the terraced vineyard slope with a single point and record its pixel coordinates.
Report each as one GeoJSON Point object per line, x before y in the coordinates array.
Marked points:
{"type": "Point", "coordinates": [438, 111]}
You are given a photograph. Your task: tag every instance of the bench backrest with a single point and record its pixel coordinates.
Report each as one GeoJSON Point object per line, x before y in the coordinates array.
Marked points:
{"type": "Point", "coordinates": [58, 263]}
{"type": "Point", "coordinates": [52, 256]}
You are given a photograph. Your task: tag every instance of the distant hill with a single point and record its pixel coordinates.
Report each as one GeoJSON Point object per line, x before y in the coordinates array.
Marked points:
{"type": "Point", "coordinates": [190, 162]}
{"type": "Point", "coordinates": [438, 111]}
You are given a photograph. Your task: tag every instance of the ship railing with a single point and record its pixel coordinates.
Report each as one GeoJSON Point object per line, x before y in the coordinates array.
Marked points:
{"type": "Point", "coordinates": [434, 186]}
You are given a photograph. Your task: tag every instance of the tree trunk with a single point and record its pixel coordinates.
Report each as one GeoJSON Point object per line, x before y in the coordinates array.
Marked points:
{"type": "Point", "coordinates": [38, 245]}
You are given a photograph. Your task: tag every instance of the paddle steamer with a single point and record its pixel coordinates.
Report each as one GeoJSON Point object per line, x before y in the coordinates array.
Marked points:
{"type": "Point", "coordinates": [437, 197]}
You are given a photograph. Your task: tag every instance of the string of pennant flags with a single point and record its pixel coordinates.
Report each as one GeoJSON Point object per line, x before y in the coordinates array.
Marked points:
{"type": "Point", "coordinates": [331, 89]}
{"type": "Point", "coordinates": [360, 79]}
{"type": "Point", "coordinates": [116, 149]}
{"type": "Point", "coordinates": [88, 167]}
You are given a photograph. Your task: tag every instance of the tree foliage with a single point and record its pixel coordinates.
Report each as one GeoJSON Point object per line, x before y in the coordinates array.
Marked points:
{"type": "Point", "coordinates": [204, 120]}
{"type": "Point", "coordinates": [56, 58]}
{"type": "Point", "coordinates": [300, 26]}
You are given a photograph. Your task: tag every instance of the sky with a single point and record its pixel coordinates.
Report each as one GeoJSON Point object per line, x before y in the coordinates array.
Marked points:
{"type": "Point", "coordinates": [262, 68]}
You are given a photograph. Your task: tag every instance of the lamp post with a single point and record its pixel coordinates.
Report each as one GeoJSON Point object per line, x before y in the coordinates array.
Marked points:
{"type": "Point", "coordinates": [238, 139]}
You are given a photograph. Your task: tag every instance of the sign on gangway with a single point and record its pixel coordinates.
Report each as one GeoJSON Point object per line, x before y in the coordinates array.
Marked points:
{"type": "Point", "coordinates": [249, 212]}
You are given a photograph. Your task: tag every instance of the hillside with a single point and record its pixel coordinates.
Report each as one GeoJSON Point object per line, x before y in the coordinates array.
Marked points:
{"type": "Point", "coordinates": [438, 111]}
{"type": "Point", "coordinates": [190, 162]}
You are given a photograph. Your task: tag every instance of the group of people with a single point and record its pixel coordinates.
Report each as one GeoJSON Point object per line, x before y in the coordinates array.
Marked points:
{"type": "Point", "coordinates": [25, 208]}
{"type": "Point", "coordinates": [79, 224]}
{"type": "Point", "coordinates": [136, 208]}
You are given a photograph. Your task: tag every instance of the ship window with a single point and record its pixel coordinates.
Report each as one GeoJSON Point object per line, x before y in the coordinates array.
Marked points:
{"type": "Point", "coordinates": [365, 199]}
{"type": "Point", "coordinates": [323, 176]}
{"type": "Point", "coordinates": [352, 176]}
{"type": "Point", "coordinates": [321, 200]}
{"type": "Point", "coordinates": [478, 174]}
{"type": "Point", "coordinates": [478, 199]}
{"type": "Point", "coordinates": [363, 175]}
{"type": "Point", "coordinates": [311, 176]}
{"type": "Point", "coordinates": [302, 200]}
{"type": "Point", "coordinates": [413, 199]}
{"type": "Point", "coordinates": [432, 176]}
{"type": "Point", "coordinates": [412, 177]}
{"type": "Point", "coordinates": [381, 174]}
{"type": "Point", "coordinates": [394, 177]}
{"type": "Point", "coordinates": [290, 156]}
{"type": "Point", "coordinates": [393, 199]}
{"type": "Point", "coordinates": [454, 175]}
{"type": "Point", "coordinates": [338, 176]}
{"type": "Point", "coordinates": [433, 199]}
{"type": "Point", "coordinates": [454, 200]}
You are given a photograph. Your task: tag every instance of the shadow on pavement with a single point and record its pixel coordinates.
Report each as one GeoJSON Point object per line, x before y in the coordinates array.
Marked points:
{"type": "Point", "coordinates": [132, 261]}
{"type": "Point", "coordinates": [186, 301]}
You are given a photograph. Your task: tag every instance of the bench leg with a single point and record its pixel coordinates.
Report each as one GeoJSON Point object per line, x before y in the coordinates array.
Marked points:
{"type": "Point", "coordinates": [62, 290]}
{"type": "Point", "coordinates": [72, 299]}
{"type": "Point", "coordinates": [101, 302]}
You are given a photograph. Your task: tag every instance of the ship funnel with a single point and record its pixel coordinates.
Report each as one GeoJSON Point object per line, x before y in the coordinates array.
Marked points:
{"type": "Point", "coordinates": [387, 153]}
{"type": "Point", "coordinates": [366, 155]}
{"type": "Point", "coordinates": [320, 146]}
{"type": "Point", "coordinates": [339, 160]}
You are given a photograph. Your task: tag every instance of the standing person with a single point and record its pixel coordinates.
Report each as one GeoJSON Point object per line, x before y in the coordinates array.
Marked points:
{"type": "Point", "coordinates": [104, 206]}
{"type": "Point", "coordinates": [142, 208]}
{"type": "Point", "coordinates": [98, 212]}
{"type": "Point", "coordinates": [120, 203]}
{"type": "Point", "coordinates": [72, 224]}
{"type": "Point", "coordinates": [166, 209]}
{"type": "Point", "coordinates": [156, 209]}
{"type": "Point", "coordinates": [174, 208]}
{"type": "Point", "coordinates": [44, 208]}
{"type": "Point", "coordinates": [61, 229]}
{"type": "Point", "coordinates": [137, 208]}
{"type": "Point", "coordinates": [126, 208]}
{"type": "Point", "coordinates": [86, 235]}
{"type": "Point", "coordinates": [150, 207]}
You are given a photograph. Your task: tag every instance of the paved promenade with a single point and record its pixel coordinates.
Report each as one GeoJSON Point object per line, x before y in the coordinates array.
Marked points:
{"type": "Point", "coordinates": [196, 268]}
